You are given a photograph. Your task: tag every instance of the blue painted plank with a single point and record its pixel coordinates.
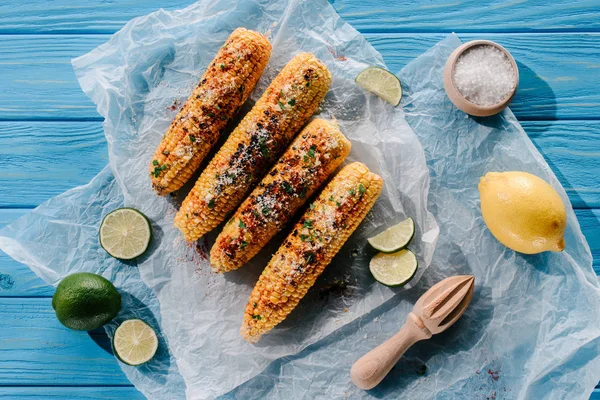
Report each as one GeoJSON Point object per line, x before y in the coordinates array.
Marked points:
{"type": "Point", "coordinates": [70, 393]}
{"type": "Point", "coordinates": [18, 280]}
{"type": "Point", "coordinates": [101, 16]}
{"type": "Point", "coordinates": [42, 159]}
{"type": "Point", "coordinates": [572, 149]}
{"type": "Point", "coordinates": [559, 73]}
{"type": "Point", "coordinates": [38, 350]}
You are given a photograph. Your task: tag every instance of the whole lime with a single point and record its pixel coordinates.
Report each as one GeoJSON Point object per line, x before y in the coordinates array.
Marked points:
{"type": "Point", "coordinates": [84, 301]}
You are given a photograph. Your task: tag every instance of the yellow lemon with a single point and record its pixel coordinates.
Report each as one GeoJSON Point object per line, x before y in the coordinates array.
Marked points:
{"type": "Point", "coordinates": [523, 211]}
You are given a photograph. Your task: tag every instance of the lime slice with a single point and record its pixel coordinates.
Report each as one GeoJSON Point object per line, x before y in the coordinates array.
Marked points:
{"type": "Point", "coordinates": [125, 233]}
{"type": "Point", "coordinates": [381, 82]}
{"type": "Point", "coordinates": [394, 238]}
{"type": "Point", "coordinates": [394, 269]}
{"type": "Point", "coordinates": [135, 342]}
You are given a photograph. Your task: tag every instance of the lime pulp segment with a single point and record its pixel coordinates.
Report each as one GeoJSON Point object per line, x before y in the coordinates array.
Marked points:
{"type": "Point", "coordinates": [135, 342]}
{"type": "Point", "coordinates": [125, 233]}
{"type": "Point", "coordinates": [394, 238]}
{"type": "Point", "coordinates": [381, 82]}
{"type": "Point", "coordinates": [394, 269]}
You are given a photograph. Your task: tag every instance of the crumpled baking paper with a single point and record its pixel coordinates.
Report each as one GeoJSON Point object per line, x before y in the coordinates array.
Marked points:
{"type": "Point", "coordinates": [531, 330]}
{"type": "Point", "coordinates": [60, 238]}
{"type": "Point", "coordinates": [140, 77]}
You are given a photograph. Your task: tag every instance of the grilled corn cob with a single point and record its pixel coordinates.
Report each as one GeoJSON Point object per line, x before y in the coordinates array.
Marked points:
{"type": "Point", "coordinates": [254, 145]}
{"type": "Point", "coordinates": [317, 151]}
{"type": "Point", "coordinates": [224, 87]}
{"type": "Point", "coordinates": [305, 253]}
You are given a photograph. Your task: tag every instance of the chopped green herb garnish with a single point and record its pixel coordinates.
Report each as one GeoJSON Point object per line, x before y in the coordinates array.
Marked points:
{"type": "Point", "coordinates": [337, 203]}
{"type": "Point", "coordinates": [292, 102]}
{"type": "Point", "coordinates": [266, 210]}
{"type": "Point", "coordinates": [243, 244]}
{"type": "Point", "coordinates": [306, 158]}
{"type": "Point", "coordinates": [330, 198]}
{"type": "Point", "coordinates": [303, 192]}
{"type": "Point", "coordinates": [312, 206]}
{"type": "Point", "coordinates": [361, 188]}
{"type": "Point", "coordinates": [280, 104]}
{"type": "Point", "coordinates": [303, 237]}
{"type": "Point", "coordinates": [242, 224]}
{"type": "Point", "coordinates": [308, 224]}
{"type": "Point", "coordinates": [352, 192]}
{"type": "Point", "coordinates": [263, 147]}
{"type": "Point", "coordinates": [192, 139]}
{"type": "Point", "coordinates": [222, 66]}
{"type": "Point", "coordinates": [165, 152]}
{"type": "Point", "coordinates": [309, 257]}
{"type": "Point", "coordinates": [217, 107]}
{"type": "Point", "coordinates": [258, 317]}
{"type": "Point", "coordinates": [155, 162]}
{"type": "Point", "coordinates": [210, 114]}
{"type": "Point", "coordinates": [287, 187]}
{"type": "Point", "coordinates": [211, 203]}
{"type": "Point", "coordinates": [217, 176]}
{"type": "Point", "coordinates": [163, 167]}
{"type": "Point", "coordinates": [311, 151]}
{"type": "Point", "coordinates": [255, 213]}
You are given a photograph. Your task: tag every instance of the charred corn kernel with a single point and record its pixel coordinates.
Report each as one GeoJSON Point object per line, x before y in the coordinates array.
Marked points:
{"type": "Point", "coordinates": [305, 253]}
{"type": "Point", "coordinates": [224, 87]}
{"type": "Point", "coordinates": [315, 153]}
{"type": "Point", "coordinates": [254, 145]}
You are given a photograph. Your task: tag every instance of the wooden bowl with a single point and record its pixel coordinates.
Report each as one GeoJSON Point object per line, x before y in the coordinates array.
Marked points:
{"type": "Point", "coordinates": [458, 99]}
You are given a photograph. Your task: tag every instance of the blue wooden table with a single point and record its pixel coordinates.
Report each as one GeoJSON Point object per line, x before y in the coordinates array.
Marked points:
{"type": "Point", "coordinates": [51, 138]}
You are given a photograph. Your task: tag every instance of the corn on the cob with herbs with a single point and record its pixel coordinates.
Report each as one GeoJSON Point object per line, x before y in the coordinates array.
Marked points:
{"type": "Point", "coordinates": [224, 87]}
{"type": "Point", "coordinates": [310, 247]}
{"type": "Point", "coordinates": [315, 154]}
{"type": "Point", "coordinates": [254, 145]}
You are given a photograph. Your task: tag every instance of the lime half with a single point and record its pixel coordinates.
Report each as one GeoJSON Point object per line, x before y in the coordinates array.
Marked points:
{"type": "Point", "coordinates": [394, 238]}
{"type": "Point", "coordinates": [135, 342]}
{"type": "Point", "coordinates": [394, 269]}
{"type": "Point", "coordinates": [381, 82]}
{"type": "Point", "coordinates": [125, 233]}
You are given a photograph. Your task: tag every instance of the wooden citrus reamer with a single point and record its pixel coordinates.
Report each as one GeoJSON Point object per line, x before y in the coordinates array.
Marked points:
{"type": "Point", "coordinates": [440, 307]}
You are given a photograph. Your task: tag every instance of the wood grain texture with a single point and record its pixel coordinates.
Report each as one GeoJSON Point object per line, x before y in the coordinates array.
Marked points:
{"type": "Point", "coordinates": [107, 16]}
{"type": "Point", "coordinates": [70, 393]}
{"type": "Point", "coordinates": [559, 73]}
{"type": "Point", "coordinates": [559, 80]}
{"type": "Point", "coordinates": [34, 342]}
{"type": "Point", "coordinates": [42, 159]}
{"type": "Point", "coordinates": [38, 350]}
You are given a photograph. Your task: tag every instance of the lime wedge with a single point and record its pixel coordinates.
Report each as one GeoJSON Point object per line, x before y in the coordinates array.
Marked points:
{"type": "Point", "coordinates": [394, 269]}
{"type": "Point", "coordinates": [381, 82]}
{"type": "Point", "coordinates": [394, 238]}
{"type": "Point", "coordinates": [125, 233]}
{"type": "Point", "coordinates": [135, 342]}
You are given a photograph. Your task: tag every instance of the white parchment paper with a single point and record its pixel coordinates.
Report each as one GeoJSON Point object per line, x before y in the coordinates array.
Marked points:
{"type": "Point", "coordinates": [137, 80]}
{"type": "Point", "coordinates": [530, 331]}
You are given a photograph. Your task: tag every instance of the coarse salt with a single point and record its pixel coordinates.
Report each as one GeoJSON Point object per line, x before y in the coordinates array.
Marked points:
{"type": "Point", "coordinates": [484, 75]}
